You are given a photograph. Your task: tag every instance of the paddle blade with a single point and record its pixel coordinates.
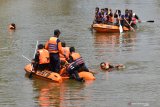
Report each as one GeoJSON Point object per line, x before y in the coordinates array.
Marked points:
{"type": "Point", "coordinates": [150, 21]}
{"type": "Point", "coordinates": [120, 29]}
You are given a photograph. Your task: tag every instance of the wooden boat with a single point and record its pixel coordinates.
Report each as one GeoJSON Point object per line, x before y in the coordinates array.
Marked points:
{"type": "Point", "coordinates": [52, 76]}
{"type": "Point", "coordinates": [104, 28]}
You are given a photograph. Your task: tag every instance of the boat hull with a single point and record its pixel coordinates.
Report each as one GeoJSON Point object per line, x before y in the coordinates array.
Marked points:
{"type": "Point", "coordinates": [104, 28]}
{"type": "Point", "coordinates": [52, 76]}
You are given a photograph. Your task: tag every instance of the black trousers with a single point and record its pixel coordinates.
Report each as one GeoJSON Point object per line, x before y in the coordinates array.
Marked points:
{"type": "Point", "coordinates": [54, 62]}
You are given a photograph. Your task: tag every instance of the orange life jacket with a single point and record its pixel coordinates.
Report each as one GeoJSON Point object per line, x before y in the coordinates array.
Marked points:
{"type": "Point", "coordinates": [66, 52]}
{"type": "Point", "coordinates": [77, 58]}
{"type": "Point", "coordinates": [53, 45]}
{"type": "Point", "coordinates": [43, 56]}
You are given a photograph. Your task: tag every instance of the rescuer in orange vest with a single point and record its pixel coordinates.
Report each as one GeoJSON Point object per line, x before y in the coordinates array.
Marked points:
{"type": "Point", "coordinates": [42, 60]}
{"type": "Point", "coordinates": [76, 64]}
{"type": "Point", "coordinates": [53, 45]}
{"type": "Point", "coordinates": [65, 56]}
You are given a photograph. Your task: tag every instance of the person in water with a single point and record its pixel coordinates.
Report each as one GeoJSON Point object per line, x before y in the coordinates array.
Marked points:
{"type": "Point", "coordinates": [12, 26]}
{"type": "Point", "coordinates": [107, 66]}
{"type": "Point", "coordinates": [42, 59]}
{"type": "Point", "coordinates": [76, 64]}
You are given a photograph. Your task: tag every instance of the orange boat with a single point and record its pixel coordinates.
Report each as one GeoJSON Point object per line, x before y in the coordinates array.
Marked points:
{"type": "Point", "coordinates": [48, 75]}
{"type": "Point", "coordinates": [104, 28]}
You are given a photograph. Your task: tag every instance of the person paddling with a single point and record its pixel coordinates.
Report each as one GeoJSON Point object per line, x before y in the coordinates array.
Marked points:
{"type": "Point", "coordinates": [133, 21]}
{"type": "Point", "coordinates": [108, 66]}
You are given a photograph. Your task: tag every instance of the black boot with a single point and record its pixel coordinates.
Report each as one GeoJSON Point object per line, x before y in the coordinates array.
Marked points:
{"type": "Point", "coordinates": [76, 75]}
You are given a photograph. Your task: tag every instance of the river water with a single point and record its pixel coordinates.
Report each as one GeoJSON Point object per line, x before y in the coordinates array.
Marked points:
{"type": "Point", "coordinates": [137, 85]}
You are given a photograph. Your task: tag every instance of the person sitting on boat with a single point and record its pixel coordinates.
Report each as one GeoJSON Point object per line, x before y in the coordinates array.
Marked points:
{"type": "Point", "coordinates": [110, 17]}
{"type": "Point", "coordinates": [105, 16]}
{"type": "Point", "coordinates": [117, 16]}
{"type": "Point", "coordinates": [134, 19]}
{"type": "Point", "coordinates": [126, 16]}
{"type": "Point", "coordinates": [108, 66]}
{"type": "Point", "coordinates": [98, 16]}
{"type": "Point", "coordinates": [65, 56]}
{"type": "Point", "coordinates": [76, 64]}
{"type": "Point", "coordinates": [42, 59]}
{"type": "Point", "coordinates": [12, 26]}
{"type": "Point", "coordinates": [122, 21]}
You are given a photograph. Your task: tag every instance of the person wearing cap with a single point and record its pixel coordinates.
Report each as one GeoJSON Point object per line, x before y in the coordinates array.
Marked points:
{"type": "Point", "coordinates": [108, 66]}
{"type": "Point", "coordinates": [53, 45]}
{"type": "Point", "coordinates": [41, 60]}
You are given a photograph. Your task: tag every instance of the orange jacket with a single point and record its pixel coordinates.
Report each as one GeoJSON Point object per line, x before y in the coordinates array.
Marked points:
{"type": "Point", "coordinates": [43, 56]}
{"type": "Point", "coordinates": [75, 56]}
{"type": "Point", "coordinates": [75, 59]}
{"type": "Point", "coordinates": [53, 45]}
{"type": "Point", "coordinates": [66, 52]}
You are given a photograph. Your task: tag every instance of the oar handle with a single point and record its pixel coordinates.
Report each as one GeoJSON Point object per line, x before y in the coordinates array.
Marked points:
{"type": "Point", "coordinates": [26, 58]}
{"type": "Point", "coordinates": [33, 57]}
{"type": "Point", "coordinates": [151, 21]}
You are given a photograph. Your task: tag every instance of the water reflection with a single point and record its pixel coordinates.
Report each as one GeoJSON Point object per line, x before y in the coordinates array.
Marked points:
{"type": "Point", "coordinates": [115, 38]}
{"type": "Point", "coordinates": [52, 94]}
{"type": "Point", "coordinates": [111, 45]}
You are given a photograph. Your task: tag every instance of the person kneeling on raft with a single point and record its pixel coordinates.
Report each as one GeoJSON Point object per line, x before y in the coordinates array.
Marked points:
{"type": "Point", "coordinates": [76, 64]}
{"type": "Point", "coordinates": [42, 59]}
{"type": "Point", "coordinates": [107, 66]}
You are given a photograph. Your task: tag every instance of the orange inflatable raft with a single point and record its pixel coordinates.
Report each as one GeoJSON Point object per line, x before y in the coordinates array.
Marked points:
{"type": "Point", "coordinates": [104, 28]}
{"type": "Point", "coordinates": [48, 75]}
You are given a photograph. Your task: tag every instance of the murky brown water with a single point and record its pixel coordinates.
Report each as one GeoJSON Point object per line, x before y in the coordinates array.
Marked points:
{"type": "Point", "coordinates": [138, 85]}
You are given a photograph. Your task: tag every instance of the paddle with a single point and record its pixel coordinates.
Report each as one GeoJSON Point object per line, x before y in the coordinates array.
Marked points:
{"type": "Point", "coordinates": [151, 21]}
{"type": "Point", "coordinates": [30, 75]}
{"type": "Point", "coordinates": [120, 27]}
{"type": "Point", "coordinates": [26, 58]}
{"type": "Point", "coordinates": [129, 24]}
